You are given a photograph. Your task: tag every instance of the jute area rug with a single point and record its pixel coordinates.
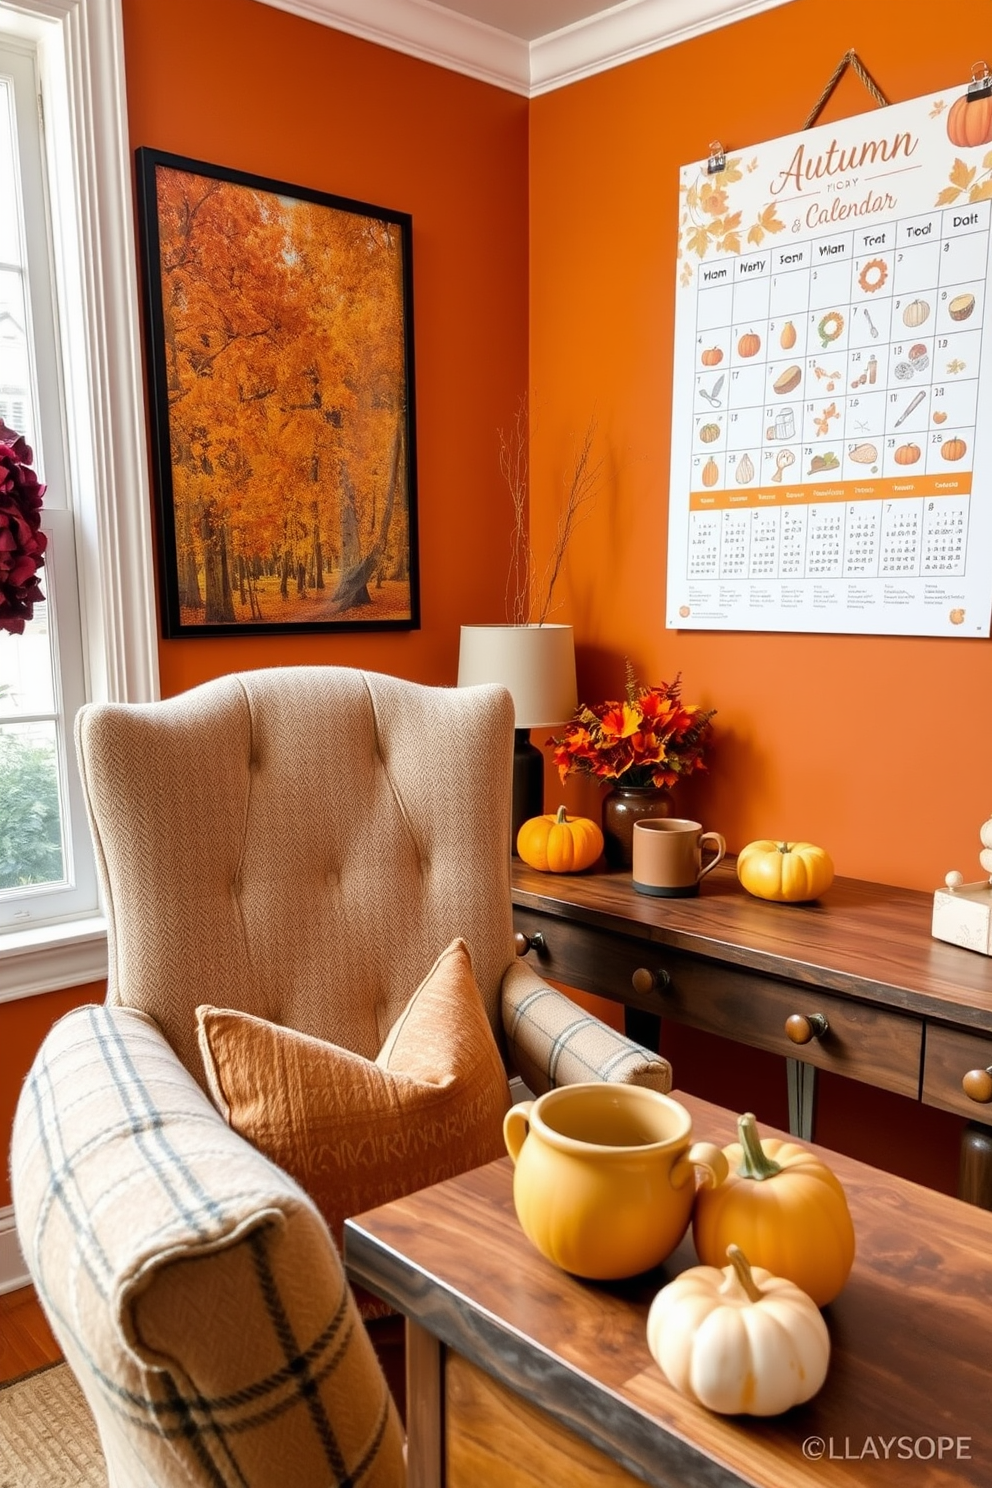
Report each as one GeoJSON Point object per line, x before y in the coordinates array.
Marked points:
{"type": "Point", "coordinates": [47, 1435]}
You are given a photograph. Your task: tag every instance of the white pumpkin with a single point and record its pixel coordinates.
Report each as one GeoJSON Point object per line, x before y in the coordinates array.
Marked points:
{"type": "Point", "coordinates": [737, 1340]}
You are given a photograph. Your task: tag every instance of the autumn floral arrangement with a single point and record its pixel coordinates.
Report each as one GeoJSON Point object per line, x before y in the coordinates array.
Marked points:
{"type": "Point", "coordinates": [22, 542]}
{"type": "Point", "coordinates": [650, 738]}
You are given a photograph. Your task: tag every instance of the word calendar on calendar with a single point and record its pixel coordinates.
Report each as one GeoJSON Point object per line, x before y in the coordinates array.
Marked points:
{"type": "Point", "coordinates": [831, 433]}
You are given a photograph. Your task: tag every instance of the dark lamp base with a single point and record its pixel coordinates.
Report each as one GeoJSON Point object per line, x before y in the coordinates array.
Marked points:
{"type": "Point", "coordinates": [528, 783]}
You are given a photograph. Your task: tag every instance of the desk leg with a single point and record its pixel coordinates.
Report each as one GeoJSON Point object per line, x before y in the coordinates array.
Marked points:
{"type": "Point", "coordinates": [802, 1097]}
{"type": "Point", "coordinates": [424, 1408]}
{"type": "Point", "coordinates": [644, 1028]}
{"type": "Point", "coordinates": [975, 1173]}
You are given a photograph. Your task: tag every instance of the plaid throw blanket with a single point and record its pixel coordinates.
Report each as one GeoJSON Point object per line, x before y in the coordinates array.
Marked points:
{"type": "Point", "coordinates": [193, 1286]}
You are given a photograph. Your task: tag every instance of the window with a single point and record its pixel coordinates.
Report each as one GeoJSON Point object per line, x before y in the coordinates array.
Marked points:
{"type": "Point", "coordinates": [70, 381]}
{"type": "Point", "coordinates": [46, 866]}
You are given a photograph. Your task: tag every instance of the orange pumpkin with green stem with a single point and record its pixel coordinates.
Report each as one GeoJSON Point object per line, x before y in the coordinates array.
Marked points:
{"type": "Point", "coordinates": [559, 843]}
{"type": "Point", "coordinates": [785, 1209]}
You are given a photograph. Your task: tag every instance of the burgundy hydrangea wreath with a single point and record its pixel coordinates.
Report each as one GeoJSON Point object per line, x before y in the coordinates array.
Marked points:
{"type": "Point", "coordinates": [22, 542]}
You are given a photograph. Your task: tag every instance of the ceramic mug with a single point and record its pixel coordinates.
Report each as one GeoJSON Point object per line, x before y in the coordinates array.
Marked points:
{"type": "Point", "coordinates": [668, 856]}
{"type": "Point", "coordinates": [604, 1176]}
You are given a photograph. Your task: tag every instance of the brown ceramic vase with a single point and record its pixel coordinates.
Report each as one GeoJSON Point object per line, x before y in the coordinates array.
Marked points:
{"type": "Point", "coordinates": [622, 807]}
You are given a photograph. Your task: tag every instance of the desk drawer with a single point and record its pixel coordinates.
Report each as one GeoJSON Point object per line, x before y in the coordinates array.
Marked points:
{"type": "Point", "coordinates": [862, 1041]}
{"type": "Point", "coordinates": [950, 1055]}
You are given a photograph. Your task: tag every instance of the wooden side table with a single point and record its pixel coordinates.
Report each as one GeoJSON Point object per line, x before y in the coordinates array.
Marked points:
{"type": "Point", "coordinates": [522, 1376]}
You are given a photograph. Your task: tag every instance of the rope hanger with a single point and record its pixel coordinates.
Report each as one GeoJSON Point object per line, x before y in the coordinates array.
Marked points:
{"type": "Point", "coordinates": [980, 86]}
{"type": "Point", "coordinates": [717, 157]}
{"type": "Point", "coordinates": [852, 60]}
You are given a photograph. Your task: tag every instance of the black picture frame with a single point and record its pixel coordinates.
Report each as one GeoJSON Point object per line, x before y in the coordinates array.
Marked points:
{"type": "Point", "coordinates": [280, 362]}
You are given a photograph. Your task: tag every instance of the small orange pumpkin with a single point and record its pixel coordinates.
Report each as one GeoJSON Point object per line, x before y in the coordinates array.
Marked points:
{"type": "Point", "coordinates": [711, 473]}
{"type": "Point", "coordinates": [786, 1206]}
{"type": "Point", "coordinates": [969, 121]}
{"type": "Point", "coordinates": [907, 454]}
{"type": "Point", "coordinates": [712, 357]}
{"type": "Point", "coordinates": [953, 449]}
{"type": "Point", "coordinates": [559, 843]}
{"type": "Point", "coordinates": [749, 345]}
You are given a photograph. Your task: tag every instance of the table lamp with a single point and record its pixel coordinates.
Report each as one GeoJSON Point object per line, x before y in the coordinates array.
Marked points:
{"type": "Point", "coordinates": [537, 664]}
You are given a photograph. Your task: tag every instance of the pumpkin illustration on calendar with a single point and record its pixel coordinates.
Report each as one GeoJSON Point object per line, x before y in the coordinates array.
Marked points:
{"type": "Point", "coordinates": [953, 449]}
{"type": "Point", "coordinates": [711, 472]}
{"type": "Point", "coordinates": [907, 454]}
{"type": "Point", "coordinates": [969, 120]}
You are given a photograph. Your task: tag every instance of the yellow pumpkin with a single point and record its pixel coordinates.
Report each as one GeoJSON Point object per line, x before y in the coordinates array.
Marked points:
{"type": "Point", "coordinates": [559, 843]}
{"type": "Point", "coordinates": [787, 872]}
{"type": "Point", "coordinates": [739, 1341]}
{"type": "Point", "coordinates": [785, 1209]}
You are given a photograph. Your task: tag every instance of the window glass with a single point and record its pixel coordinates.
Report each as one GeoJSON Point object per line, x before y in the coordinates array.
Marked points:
{"type": "Point", "coordinates": [46, 869]}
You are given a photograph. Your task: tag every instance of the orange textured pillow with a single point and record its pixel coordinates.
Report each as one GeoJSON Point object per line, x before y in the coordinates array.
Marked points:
{"type": "Point", "coordinates": [353, 1132]}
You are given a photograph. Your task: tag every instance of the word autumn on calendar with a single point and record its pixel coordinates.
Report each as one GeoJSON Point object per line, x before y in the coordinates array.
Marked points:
{"type": "Point", "coordinates": [831, 441]}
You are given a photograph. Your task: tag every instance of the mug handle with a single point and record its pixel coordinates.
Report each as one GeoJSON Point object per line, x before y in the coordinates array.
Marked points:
{"type": "Point", "coordinates": [719, 850]}
{"type": "Point", "coordinates": [515, 1127]}
{"type": "Point", "coordinates": [705, 1155]}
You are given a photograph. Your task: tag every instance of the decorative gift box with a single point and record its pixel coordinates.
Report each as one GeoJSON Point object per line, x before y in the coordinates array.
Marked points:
{"type": "Point", "coordinates": [963, 915]}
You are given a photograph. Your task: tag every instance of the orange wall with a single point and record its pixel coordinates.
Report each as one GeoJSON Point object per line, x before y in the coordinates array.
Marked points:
{"type": "Point", "coordinates": [878, 748]}
{"type": "Point", "coordinates": [245, 85]}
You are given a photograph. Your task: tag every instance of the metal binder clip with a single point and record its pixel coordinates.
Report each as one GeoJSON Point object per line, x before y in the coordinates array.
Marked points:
{"type": "Point", "coordinates": [717, 160]}
{"type": "Point", "coordinates": [981, 81]}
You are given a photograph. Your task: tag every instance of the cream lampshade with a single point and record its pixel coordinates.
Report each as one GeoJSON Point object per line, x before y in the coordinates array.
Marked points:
{"type": "Point", "coordinates": [537, 664]}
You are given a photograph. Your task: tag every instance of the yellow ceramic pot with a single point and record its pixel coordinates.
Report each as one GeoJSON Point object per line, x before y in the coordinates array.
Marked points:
{"type": "Point", "coordinates": [604, 1176]}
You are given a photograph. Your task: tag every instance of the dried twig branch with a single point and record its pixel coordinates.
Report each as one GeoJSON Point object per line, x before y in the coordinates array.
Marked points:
{"type": "Point", "coordinates": [513, 463]}
{"type": "Point", "coordinates": [580, 492]}
{"type": "Point", "coordinates": [580, 489]}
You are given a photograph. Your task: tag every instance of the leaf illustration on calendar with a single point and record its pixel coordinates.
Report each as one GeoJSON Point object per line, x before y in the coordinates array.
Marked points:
{"type": "Point", "coordinates": [967, 178]}
{"type": "Point", "coordinates": [708, 223]}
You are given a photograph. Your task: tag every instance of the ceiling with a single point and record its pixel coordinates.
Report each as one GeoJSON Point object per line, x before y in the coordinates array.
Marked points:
{"type": "Point", "coordinates": [526, 46]}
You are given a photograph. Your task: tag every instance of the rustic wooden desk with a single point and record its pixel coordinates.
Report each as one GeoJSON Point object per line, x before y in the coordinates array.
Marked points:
{"type": "Point", "coordinates": [519, 1376]}
{"type": "Point", "coordinates": [853, 983]}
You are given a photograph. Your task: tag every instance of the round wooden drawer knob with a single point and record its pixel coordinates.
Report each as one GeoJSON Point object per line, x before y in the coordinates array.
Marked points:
{"type": "Point", "coordinates": [977, 1085]}
{"type": "Point", "coordinates": [644, 980]}
{"type": "Point", "coordinates": [804, 1029]}
{"type": "Point", "coordinates": [523, 943]}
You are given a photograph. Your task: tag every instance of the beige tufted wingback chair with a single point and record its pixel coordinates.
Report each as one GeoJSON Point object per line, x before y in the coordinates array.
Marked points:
{"type": "Point", "coordinates": [299, 844]}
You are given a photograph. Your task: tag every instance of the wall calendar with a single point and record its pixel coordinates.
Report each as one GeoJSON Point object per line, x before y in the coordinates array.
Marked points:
{"type": "Point", "coordinates": [831, 440]}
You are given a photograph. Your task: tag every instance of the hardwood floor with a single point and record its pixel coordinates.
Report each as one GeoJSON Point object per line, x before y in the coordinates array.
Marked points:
{"type": "Point", "coordinates": [26, 1341]}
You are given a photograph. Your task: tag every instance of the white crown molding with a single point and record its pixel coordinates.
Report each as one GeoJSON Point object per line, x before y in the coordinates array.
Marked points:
{"type": "Point", "coordinates": [621, 33]}
{"type": "Point", "coordinates": [626, 32]}
{"type": "Point", "coordinates": [430, 32]}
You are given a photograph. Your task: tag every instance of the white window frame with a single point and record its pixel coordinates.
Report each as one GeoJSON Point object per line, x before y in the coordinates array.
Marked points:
{"type": "Point", "coordinates": [81, 67]}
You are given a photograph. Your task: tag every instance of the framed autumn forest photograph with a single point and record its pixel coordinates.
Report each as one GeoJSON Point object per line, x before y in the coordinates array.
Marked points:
{"type": "Point", "coordinates": [279, 339]}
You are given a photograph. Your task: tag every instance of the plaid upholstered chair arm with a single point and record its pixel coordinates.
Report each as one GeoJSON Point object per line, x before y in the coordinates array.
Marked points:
{"type": "Point", "coordinates": [552, 1041]}
{"type": "Point", "coordinates": [194, 1288]}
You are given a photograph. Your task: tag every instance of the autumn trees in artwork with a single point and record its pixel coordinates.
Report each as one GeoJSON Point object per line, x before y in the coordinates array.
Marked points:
{"type": "Point", "coordinates": [285, 379]}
